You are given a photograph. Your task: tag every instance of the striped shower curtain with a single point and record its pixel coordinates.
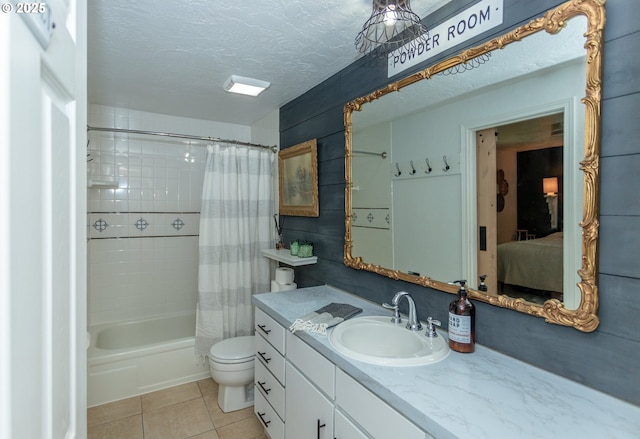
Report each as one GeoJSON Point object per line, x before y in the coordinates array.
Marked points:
{"type": "Point", "coordinates": [236, 223]}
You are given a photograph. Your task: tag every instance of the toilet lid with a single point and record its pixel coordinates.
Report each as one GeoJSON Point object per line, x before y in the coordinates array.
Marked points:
{"type": "Point", "coordinates": [234, 350]}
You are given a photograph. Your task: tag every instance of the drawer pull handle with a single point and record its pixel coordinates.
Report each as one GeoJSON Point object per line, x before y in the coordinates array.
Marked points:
{"type": "Point", "coordinates": [319, 427]}
{"type": "Point", "coordinates": [262, 354]}
{"type": "Point", "coordinates": [260, 415]}
{"type": "Point", "coordinates": [262, 327]}
{"type": "Point", "coordinates": [262, 387]}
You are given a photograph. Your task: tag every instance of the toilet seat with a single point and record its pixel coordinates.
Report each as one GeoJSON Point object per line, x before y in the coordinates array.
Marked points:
{"type": "Point", "coordinates": [233, 350]}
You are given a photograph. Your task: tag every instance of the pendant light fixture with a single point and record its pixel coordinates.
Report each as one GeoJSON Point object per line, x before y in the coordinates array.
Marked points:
{"type": "Point", "coordinates": [392, 25]}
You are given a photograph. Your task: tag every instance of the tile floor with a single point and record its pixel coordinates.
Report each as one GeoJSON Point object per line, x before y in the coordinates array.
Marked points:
{"type": "Point", "coordinates": [185, 411]}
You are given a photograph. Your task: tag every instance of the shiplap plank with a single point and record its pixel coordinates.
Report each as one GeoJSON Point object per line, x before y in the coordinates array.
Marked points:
{"type": "Point", "coordinates": [617, 307]}
{"type": "Point", "coordinates": [621, 71]}
{"type": "Point", "coordinates": [332, 197]}
{"type": "Point", "coordinates": [619, 188]}
{"type": "Point", "coordinates": [621, 125]}
{"type": "Point", "coordinates": [323, 125]}
{"type": "Point", "coordinates": [618, 22]}
{"type": "Point", "coordinates": [331, 147]}
{"type": "Point", "coordinates": [619, 244]}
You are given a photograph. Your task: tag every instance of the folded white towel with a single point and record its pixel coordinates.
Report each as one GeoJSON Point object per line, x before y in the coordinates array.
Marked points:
{"type": "Point", "coordinates": [319, 320]}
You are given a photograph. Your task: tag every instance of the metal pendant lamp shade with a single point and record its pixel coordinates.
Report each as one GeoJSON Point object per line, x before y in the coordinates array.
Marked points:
{"type": "Point", "coordinates": [392, 25]}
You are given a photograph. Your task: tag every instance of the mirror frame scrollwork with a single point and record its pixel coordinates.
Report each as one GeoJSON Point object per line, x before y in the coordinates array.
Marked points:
{"type": "Point", "coordinates": [584, 318]}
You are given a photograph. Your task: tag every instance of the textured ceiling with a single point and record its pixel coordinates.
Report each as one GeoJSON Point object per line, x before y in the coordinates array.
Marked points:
{"type": "Point", "coordinates": [172, 57]}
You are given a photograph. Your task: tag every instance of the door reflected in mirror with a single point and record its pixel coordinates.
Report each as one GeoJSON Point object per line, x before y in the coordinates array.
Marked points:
{"type": "Point", "coordinates": [520, 220]}
{"type": "Point", "coordinates": [425, 204]}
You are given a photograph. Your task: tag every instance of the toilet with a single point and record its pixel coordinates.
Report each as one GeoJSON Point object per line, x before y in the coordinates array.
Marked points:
{"type": "Point", "coordinates": [231, 362]}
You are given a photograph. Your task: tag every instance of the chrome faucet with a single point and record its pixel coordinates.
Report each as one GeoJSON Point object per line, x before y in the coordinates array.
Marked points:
{"type": "Point", "coordinates": [413, 323]}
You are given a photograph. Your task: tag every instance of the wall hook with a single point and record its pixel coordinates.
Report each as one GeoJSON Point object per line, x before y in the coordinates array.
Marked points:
{"type": "Point", "coordinates": [399, 173]}
{"type": "Point", "coordinates": [413, 170]}
{"type": "Point", "coordinates": [428, 171]}
{"type": "Point", "coordinates": [446, 165]}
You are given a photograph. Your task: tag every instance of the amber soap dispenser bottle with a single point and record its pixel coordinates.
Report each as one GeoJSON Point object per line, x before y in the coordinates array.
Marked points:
{"type": "Point", "coordinates": [462, 322]}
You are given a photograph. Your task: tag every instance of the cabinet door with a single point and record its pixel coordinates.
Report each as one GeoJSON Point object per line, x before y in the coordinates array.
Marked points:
{"type": "Point", "coordinates": [345, 429]}
{"type": "Point", "coordinates": [309, 414]}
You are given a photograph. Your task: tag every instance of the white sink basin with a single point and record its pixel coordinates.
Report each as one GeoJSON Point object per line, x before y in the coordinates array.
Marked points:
{"type": "Point", "coordinates": [376, 340]}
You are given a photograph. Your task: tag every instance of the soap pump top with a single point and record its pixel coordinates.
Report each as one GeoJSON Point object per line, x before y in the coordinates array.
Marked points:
{"type": "Point", "coordinates": [462, 313]}
{"type": "Point", "coordinates": [483, 286]}
{"type": "Point", "coordinates": [462, 291]}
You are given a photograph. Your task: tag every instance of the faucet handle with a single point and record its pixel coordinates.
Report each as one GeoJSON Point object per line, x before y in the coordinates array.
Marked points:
{"type": "Point", "coordinates": [431, 327]}
{"type": "Point", "coordinates": [396, 312]}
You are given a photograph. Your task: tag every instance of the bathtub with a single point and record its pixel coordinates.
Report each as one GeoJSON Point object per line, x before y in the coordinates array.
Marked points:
{"type": "Point", "coordinates": [132, 358]}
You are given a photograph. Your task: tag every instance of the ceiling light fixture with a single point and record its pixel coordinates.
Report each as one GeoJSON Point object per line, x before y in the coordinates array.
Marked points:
{"type": "Point", "coordinates": [245, 86]}
{"type": "Point", "coordinates": [392, 25]}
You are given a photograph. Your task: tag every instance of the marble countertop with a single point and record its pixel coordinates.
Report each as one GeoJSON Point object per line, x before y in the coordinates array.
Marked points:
{"type": "Point", "coordinates": [480, 395]}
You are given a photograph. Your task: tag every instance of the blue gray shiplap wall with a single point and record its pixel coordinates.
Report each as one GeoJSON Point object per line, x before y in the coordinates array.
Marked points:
{"type": "Point", "coordinates": [606, 359]}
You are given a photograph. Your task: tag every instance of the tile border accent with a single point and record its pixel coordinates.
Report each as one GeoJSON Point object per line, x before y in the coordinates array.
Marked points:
{"type": "Point", "coordinates": [100, 225]}
{"type": "Point", "coordinates": [141, 224]}
{"type": "Point", "coordinates": [103, 225]}
{"type": "Point", "coordinates": [371, 218]}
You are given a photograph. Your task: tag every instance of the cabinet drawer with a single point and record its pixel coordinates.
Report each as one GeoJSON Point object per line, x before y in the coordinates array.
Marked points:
{"type": "Point", "coordinates": [270, 358]}
{"type": "Point", "coordinates": [272, 424]}
{"type": "Point", "coordinates": [312, 364]}
{"type": "Point", "coordinates": [371, 413]}
{"type": "Point", "coordinates": [272, 331]}
{"type": "Point", "coordinates": [270, 388]}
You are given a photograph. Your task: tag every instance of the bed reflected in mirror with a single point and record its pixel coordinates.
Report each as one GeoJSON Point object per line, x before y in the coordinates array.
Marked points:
{"type": "Point", "coordinates": [529, 215]}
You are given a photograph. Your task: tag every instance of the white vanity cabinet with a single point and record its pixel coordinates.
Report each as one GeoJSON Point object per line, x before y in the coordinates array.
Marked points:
{"type": "Point", "coordinates": [301, 394]}
{"type": "Point", "coordinates": [323, 401]}
{"type": "Point", "coordinates": [269, 378]}
{"type": "Point", "coordinates": [377, 402]}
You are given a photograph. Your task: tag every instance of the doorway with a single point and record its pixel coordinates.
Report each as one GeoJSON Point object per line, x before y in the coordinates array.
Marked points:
{"type": "Point", "coordinates": [520, 220]}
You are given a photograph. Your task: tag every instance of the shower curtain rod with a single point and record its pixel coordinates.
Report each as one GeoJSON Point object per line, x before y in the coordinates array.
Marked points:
{"type": "Point", "coordinates": [381, 154]}
{"type": "Point", "coordinates": [273, 148]}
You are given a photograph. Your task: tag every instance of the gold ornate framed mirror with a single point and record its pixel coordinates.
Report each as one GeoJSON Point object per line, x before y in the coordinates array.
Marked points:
{"type": "Point", "coordinates": [414, 167]}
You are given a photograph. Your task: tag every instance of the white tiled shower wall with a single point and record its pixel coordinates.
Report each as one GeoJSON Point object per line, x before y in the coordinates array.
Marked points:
{"type": "Point", "coordinates": [144, 208]}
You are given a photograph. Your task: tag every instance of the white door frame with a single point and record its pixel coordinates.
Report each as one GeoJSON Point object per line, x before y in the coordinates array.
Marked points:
{"type": "Point", "coordinates": [43, 107]}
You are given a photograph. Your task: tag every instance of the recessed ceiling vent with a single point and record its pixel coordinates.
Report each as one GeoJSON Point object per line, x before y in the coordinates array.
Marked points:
{"type": "Point", "coordinates": [245, 86]}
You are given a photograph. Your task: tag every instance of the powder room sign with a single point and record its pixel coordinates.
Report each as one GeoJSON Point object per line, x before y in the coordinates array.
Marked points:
{"type": "Point", "coordinates": [298, 179]}
{"type": "Point", "coordinates": [473, 21]}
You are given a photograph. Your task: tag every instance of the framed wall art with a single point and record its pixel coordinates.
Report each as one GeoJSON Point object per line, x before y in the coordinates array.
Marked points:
{"type": "Point", "coordinates": [298, 179]}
